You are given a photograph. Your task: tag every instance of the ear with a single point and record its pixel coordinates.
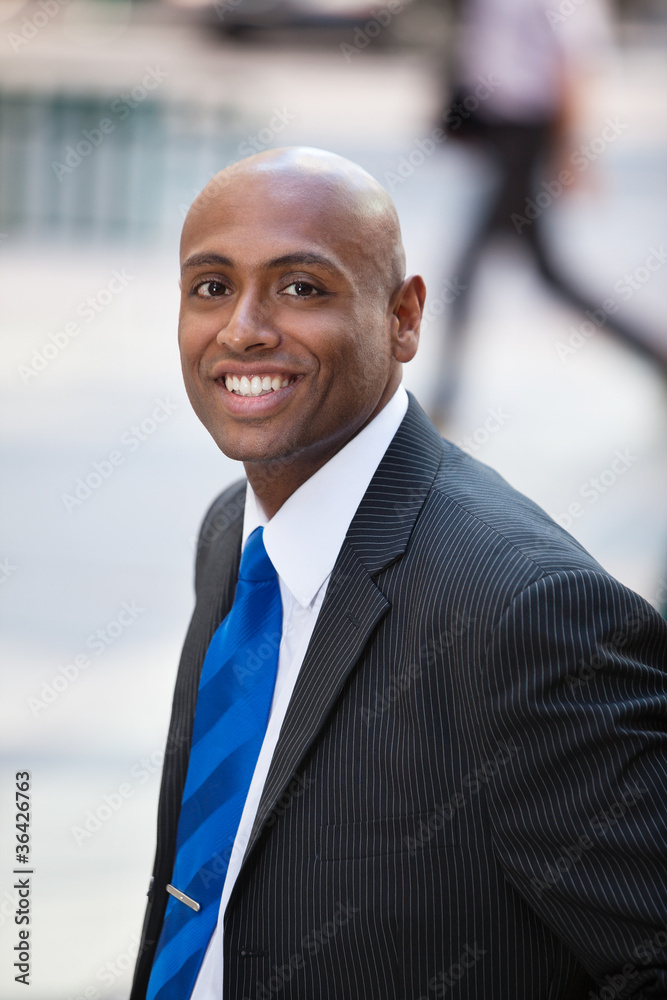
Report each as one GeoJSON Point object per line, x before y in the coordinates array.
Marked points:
{"type": "Point", "coordinates": [408, 306]}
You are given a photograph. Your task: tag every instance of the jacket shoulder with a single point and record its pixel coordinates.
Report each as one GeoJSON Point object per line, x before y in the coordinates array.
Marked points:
{"type": "Point", "coordinates": [479, 500]}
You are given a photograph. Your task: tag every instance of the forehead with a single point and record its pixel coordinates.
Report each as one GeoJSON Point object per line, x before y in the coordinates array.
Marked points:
{"type": "Point", "coordinates": [258, 215]}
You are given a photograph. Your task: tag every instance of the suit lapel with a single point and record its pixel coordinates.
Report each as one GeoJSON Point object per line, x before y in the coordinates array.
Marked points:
{"type": "Point", "coordinates": [354, 604]}
{"type": "Point", "coordinates": [349, 614]}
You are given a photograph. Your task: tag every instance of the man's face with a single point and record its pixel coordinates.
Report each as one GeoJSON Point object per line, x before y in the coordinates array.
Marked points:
{"type": "Point", "coordinates": [285, 327]}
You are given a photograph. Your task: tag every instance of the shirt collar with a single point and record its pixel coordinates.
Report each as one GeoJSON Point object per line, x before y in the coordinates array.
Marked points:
{"type": "Point", "coordinates": [304, 537]}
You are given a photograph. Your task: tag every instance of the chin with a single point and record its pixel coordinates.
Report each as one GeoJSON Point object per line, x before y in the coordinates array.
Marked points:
{"type": "Point", "coordinates": [249, 451]}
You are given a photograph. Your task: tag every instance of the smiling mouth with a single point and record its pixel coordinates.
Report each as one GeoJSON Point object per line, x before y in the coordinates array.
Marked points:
{"type": "Point", "coordinates": [258, 385]}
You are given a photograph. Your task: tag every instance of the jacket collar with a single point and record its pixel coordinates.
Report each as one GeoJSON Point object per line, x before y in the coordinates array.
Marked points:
{"type": "Point", "coordinates": [381, 528]}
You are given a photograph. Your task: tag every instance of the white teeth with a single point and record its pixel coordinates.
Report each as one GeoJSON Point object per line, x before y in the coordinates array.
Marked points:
{"type": "Point", "coordinates": [258, 385]}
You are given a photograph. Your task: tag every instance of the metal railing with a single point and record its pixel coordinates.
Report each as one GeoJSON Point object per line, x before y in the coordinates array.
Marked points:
{"type": "Point", "coordinates": [91, 166]}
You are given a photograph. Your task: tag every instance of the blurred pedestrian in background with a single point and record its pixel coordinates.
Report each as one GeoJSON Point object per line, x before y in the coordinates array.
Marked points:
{"type": "Point", "coordinates": [516, 93]}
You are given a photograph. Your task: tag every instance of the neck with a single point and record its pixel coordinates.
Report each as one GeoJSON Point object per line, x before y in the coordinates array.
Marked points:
{"type": "Point", "coordinates": [273, 482]}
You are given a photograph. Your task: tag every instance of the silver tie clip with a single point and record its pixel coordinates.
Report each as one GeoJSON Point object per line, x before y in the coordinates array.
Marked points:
{"type": "Point", "coordinates": [183, 898]}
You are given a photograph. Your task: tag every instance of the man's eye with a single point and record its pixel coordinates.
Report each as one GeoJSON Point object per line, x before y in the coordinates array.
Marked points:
{"type": "Point", "coordinates": [302, 289]}
{"type": "Point", "coordinates": [211, 289]}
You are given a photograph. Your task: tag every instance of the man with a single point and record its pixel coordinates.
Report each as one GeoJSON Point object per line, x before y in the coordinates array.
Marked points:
{"type": "Point", "coordinates": [524, 128]}
{"type": "Point", "coordinates": [459, 784]}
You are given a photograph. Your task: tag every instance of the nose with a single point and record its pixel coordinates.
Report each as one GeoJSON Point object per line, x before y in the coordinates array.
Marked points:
{"type": "Point", "coordinates": [249, 325]}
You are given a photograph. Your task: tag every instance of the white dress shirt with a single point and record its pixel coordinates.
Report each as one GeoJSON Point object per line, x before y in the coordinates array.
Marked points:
{"type": "Point", "coordinates": [302, 540]}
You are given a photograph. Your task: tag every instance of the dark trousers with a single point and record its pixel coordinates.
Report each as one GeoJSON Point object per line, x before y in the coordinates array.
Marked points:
{"type": "Point", "coordinates": [518, 152]}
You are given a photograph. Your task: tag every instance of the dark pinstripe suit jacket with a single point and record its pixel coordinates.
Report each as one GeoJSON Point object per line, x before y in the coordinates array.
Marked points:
{"type": "Point", "coordinates": [467, 798]}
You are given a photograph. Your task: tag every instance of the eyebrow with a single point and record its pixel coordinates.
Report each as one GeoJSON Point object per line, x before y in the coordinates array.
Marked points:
{"type": "Point", "coordinates": [206, 260]}
{"type": "Point", "coordinates": [295, 259]}
{"type": "Point", "coordinates": [286, 260]}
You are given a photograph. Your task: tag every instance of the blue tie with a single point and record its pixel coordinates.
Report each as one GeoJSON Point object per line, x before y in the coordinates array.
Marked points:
{"type": "Point", "coordinates": [235, 693]}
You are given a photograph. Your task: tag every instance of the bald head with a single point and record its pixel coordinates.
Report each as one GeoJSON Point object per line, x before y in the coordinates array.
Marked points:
{"type": "Point", "coordinates": [340, 197]}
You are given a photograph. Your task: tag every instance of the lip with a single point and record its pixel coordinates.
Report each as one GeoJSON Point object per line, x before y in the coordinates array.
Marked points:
{"type": "Point", "coordinates": [255, 405]}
